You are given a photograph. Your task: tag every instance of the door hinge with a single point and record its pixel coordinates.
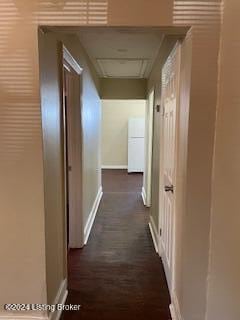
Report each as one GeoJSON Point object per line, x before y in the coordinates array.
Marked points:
{"type": "Point", "coordinates": [160, 232]}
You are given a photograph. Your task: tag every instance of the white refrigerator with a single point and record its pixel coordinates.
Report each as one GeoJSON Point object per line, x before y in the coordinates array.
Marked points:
{"type": "Point", "coordinates": [136, 130]}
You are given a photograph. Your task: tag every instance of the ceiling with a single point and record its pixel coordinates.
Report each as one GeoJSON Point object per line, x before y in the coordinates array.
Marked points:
{"type": "Point", "coordinates": [122, 52]}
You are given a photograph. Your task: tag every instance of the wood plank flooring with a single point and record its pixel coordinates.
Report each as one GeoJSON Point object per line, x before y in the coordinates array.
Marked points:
{"type": "Point", "coordinates": [118, 275]}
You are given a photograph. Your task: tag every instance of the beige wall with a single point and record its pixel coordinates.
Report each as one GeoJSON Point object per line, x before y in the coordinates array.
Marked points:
{"type": "Point", "coordinates": [224, 275]}
{"type": "Point", "coordinates": [53, 178]}
{"type": "Point", "coordinates": [183, 115]}
{"type": "Point", "coordinates": [197, 111]}
{"type": "Point", "coordinates": [91, 123]}
{"type": "Point", "coordinates": [201, 127]}
{"type": "Point", "coordinates": [123, 88]}
{"type": "Point", "coordinates": [115, 115]}
{"type": "Point", "coordinates": [21, 170]}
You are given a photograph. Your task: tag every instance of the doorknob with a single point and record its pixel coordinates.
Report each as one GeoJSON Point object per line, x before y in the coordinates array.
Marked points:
{"type": "Point", "coordinates": [168, 188]}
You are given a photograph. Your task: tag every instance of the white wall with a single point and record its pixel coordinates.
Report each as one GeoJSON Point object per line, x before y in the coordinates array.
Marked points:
{"type": "Point", "coordinates": [115, 115]}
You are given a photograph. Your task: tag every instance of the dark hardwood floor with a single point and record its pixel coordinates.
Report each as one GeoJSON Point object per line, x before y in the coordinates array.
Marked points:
{"type": "Point", "coordinates": [118, 275]}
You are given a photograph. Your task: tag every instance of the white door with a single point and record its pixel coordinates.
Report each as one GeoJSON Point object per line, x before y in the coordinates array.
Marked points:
{"type": "Point", "coordinates": [170, 86]}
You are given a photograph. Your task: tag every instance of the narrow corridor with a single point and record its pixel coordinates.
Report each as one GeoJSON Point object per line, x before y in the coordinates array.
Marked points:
{"type": "Point", "coordinates": [118, 275]}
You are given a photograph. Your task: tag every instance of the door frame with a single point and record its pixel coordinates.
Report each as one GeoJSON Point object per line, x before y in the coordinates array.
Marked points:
{"type": "Point", "coordinates": [147, 177]}
{"type": "Point", "coordinates": [161, 180]}
{"type": "Point", "coordinates": [76, 233]}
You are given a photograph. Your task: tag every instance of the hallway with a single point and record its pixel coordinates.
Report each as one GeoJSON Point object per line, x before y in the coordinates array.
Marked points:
{"type": "Point", "coordinates": [118, 275]}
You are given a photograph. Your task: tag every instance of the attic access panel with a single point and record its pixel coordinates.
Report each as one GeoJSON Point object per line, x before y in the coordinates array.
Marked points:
{"type": "Point", "coordinates": [123, 68]}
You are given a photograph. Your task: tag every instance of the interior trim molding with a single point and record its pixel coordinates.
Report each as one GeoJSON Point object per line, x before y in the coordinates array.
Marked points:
{"type": "Point", "coordinates": [59, 299]}
{"type": "Point", "coordinates": [123, 166]}
{"type": "Point", "coordinates": [92, 215]}
{"type": "Point", "coordinates": [154, 234]}
{"type": "Point", "coordinates": [72, 62]}
{"type": "Point", "coordinates": [144, 196]}
{"type": "Point", "coordinates": [174, 308]}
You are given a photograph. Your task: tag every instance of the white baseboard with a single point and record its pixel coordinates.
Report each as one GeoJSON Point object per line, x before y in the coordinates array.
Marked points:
{"type": "Point", "coordinates": [173, 312]}
{"type": "Point", "coordinates": [92, 215]}
{"type": "Point", "coordinates": [115, 167]}
{"type": "Point", "coordinates": [135, 170]}
{"type": "Point", "coordinates": [154, 233]}
{"type": "Point", "coordinates": [174, 308]}
{"type": "Point", "coordinates": [144, 196]}
{"type": "Point", "coordinates": [60, 299]}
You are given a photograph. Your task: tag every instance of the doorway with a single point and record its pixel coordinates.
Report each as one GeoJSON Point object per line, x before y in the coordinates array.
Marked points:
{"type": "Point", "coordinates": [147, 175]}
{"type": "Point", "coordinates": [128, 195]}
{"type": "Point", "coordinates": [72, 148]}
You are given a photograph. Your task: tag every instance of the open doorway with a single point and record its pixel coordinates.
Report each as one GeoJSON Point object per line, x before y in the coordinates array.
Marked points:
{"type": "Point", "coordinates": [72, 146]}
{"type": "Point", "coordinates": [123, 72]}
{"type": "Point", "coordinates": [123, 130]}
